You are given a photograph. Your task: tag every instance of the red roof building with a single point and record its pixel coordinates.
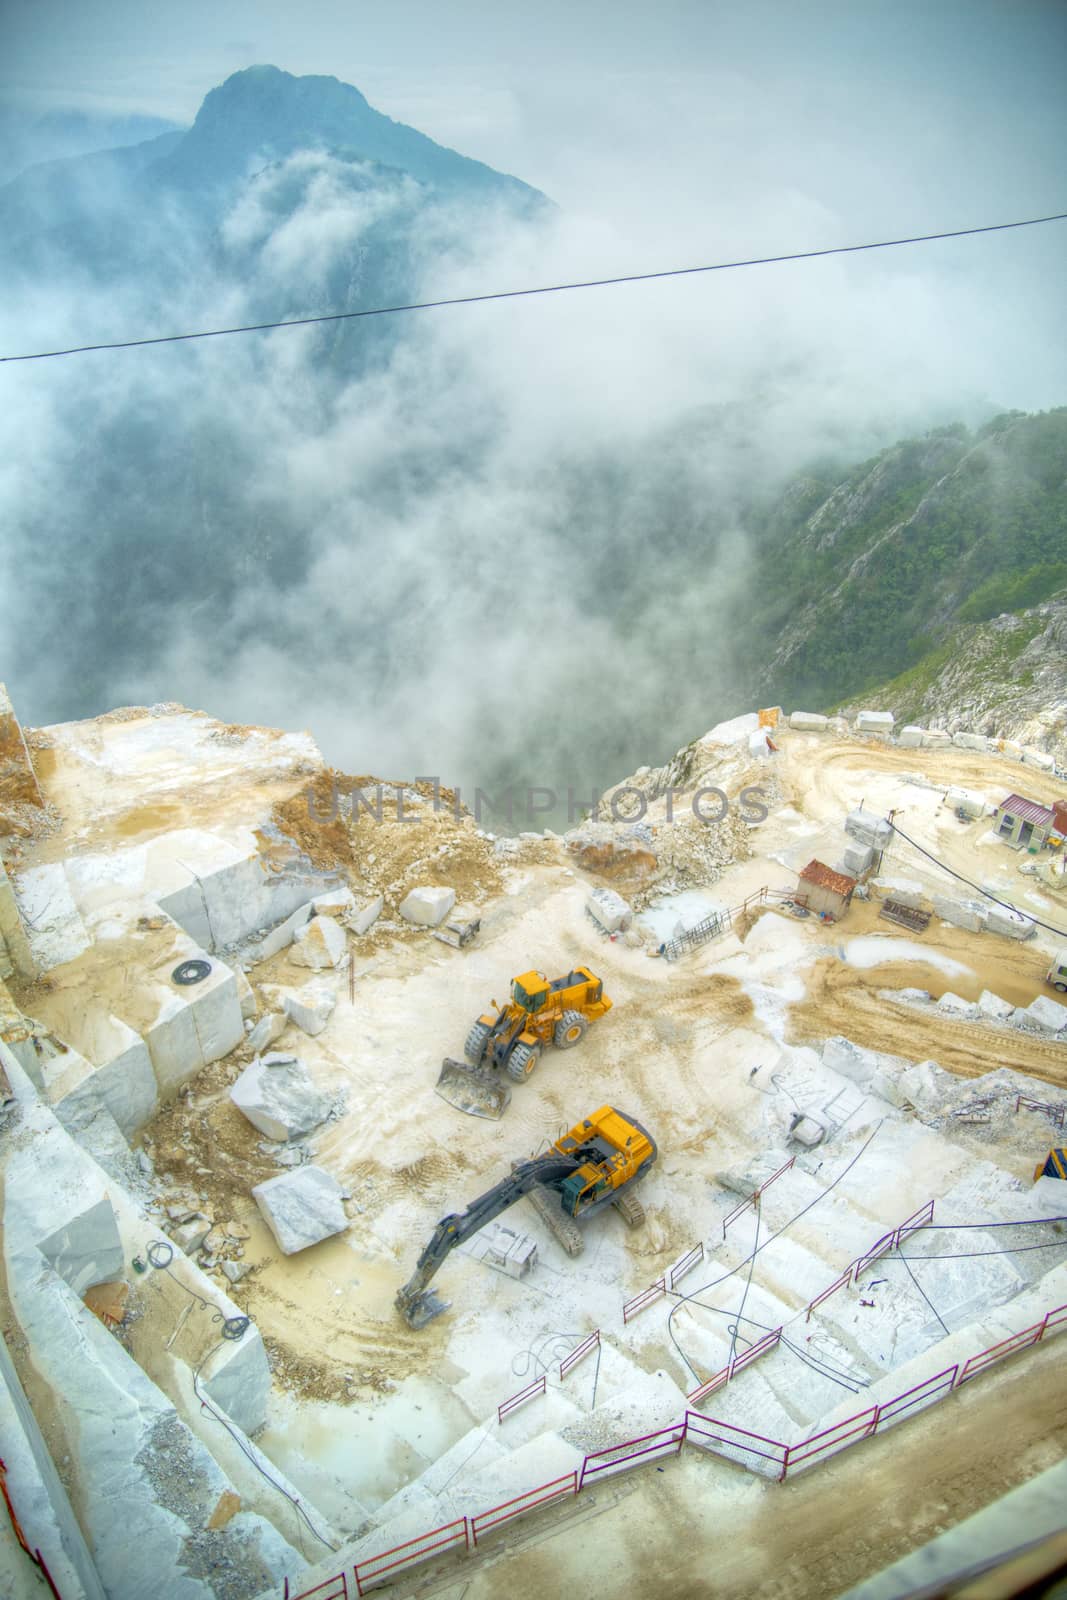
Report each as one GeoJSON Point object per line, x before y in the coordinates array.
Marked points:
{"type": "Point", "coordinates": [822, 889]}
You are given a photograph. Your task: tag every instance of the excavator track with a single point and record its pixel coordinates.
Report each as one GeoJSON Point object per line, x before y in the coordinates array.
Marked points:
{"type": "Point", "coordinates": [563, 1227]}
{"type": "Point", "coordinates": [629, 1208]}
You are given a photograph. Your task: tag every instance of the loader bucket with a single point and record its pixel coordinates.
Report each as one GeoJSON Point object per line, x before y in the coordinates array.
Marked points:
{"type": "Point", "coordinates": [473, 1090]}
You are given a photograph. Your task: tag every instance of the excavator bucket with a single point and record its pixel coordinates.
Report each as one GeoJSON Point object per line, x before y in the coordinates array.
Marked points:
{"type": "Point", "coordinates": [419, 1309]}
{"type": "Point", "coordinates": [472, 1089]}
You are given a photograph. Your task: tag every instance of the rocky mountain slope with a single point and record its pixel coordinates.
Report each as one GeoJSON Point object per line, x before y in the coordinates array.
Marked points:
{"type": "Point", "coordinates": [1006, 678]}
{"type": "Point", "coordinates": [860, 575]}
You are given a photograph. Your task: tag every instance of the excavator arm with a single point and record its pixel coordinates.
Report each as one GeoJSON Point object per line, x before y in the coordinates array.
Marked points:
{"type": "Point", "coordinates": [417, 1303]}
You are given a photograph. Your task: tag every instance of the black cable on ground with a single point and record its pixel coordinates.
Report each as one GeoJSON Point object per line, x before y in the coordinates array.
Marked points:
{"type": "Point", "coordinates": [748, 1285]}
{"type": "Point", "coordinates": [161, 1253]}
{"type": "Point", "coordinates": [685, 1298]}
{"type": "Point", "coordinates": [551, 288]}
{"type": "Point", "coordinates": [240, 1441]}
{"type": "Point", "coordinates": [977, 887]}
{"type": "Point", "coordinates": [923, 1292]}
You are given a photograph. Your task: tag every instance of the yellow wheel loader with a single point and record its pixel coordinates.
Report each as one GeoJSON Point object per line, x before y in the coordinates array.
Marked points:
{"type": "Point", "coordinates": [595, 1164]}
{"type": "Point", "coordinates": [507, 1041]}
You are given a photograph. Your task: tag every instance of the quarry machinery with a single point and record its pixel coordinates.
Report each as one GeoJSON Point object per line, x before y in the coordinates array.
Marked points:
{"type": "Point", "coordinates": [595, 1164]}
{"type": "Point", "coordinates": [508, 1040]}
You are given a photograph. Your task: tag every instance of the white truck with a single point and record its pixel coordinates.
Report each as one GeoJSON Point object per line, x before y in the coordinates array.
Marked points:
{"type": "Point", "coordinates": [1057, 973]}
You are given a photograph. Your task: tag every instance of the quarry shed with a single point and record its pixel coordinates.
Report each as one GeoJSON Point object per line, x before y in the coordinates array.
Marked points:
{"type": "Point", "coordinates": [1026, 824]}
{"type": "Point", "coordinates": [822, 889]}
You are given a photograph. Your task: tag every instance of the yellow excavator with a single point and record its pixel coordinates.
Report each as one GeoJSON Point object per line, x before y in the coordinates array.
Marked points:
{"type": "Point", "coordinates": [508, 1040]}
{"type": "Point", "coordinates": [594, 1165]}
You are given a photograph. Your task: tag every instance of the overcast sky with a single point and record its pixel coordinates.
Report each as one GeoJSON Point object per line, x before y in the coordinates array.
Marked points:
{"type": "Point", "coordinates": [891, 113]}
{"type": "Point", "coordinates": [688, 132]}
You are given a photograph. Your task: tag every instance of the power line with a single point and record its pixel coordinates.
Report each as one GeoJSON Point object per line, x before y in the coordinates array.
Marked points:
{"type": "Point", "coordinates": [549, 288]}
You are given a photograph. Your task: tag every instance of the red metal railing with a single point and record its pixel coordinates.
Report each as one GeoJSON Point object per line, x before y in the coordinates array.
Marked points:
{"type": "Point", "coordinates": [929, 1389]}
{"type": "Point", "coordinates": [665, 1441]}
{"type": "Point", "coordinates": [34, 1555]}
{"type": "Point", "coordinates": [833, 1438]}
{"type": "Point", "coordinates": [724, 1439]}
{"type": "Point", "coordinates": [447, 1537]}
{"type": "Point", "coordinates": [760, 1348]}
{"type": "Point", "coordinates": [578, 1353]}
{"type": "Point", "coordinates": [889, 1241]}
{"type": "Point", "coordinates": [1012, 1345]}
{"type": "Point", "coordinates": [558, 1489]}
{"type": "Point", "coordinates": [754, 1197]}
{"type": "Point", "coordinates": [646, 1298]}
{"type": "Point", "coordinates": [330, 1589]}
{"type": "Point", "coordinates": [686, 1264]}
{"type": "Point", "coordinates": [507, 1406]}
{"type": "Point", "coordinates": [752, 1450]}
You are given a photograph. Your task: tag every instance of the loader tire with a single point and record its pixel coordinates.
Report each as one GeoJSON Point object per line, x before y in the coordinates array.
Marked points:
{"type": "Point", "coordinates": [570, 1030]}
{"type": "Point", "coordinates": [522, 1061]}
{"type": "Point", "coordinates": [477, 1039]}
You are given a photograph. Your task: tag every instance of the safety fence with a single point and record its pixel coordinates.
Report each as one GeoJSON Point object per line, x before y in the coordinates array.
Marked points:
{"type": "Point", "coordinates": [762, 1455]}
{"type": "Point", "coordinates": [620, 1457]}
{"type": "Point", "coordinates": [769, 1457]}
{"type": "Point", "coordinates": [754, 1198]}
{"type": "Point", "coordinates": [1057, 1113]}
{"type": "Point", "coordinates": [665, 1285]}
{"type": "Point", "coordinates": [889, 1241]}
{"type": "Point", "coordinates": [684, 1264]}
{"type": "Point", "coordinates": [647, 1298]}
{"type": "Point", "coordinates": [558, 1489]}
{"type": "Point", "coordinates": [579, 1352]}
{"type": "Point", "coordinates": [1010, 1346]}
{"type": "Point", "coordinates": [506, 1407]}
{"type": "Point", "coordinates": [33, 1555]}
{"type": "Point", "coordinates": [770, 1341]}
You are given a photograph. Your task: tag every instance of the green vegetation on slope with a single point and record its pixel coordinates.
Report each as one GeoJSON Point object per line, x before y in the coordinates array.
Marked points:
{"type": "Point", "coordinates": [861, 579]}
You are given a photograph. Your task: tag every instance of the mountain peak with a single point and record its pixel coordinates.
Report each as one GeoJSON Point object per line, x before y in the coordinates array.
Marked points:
{"type": "Point", "coordinates": [263, 113]}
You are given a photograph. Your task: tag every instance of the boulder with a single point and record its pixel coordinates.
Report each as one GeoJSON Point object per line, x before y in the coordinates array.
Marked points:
{"type": "Point", "coordinates": [320, 943]}
{"type": "Point", "coordinates": [936, 739]}
{"type": "Point", "coordinates": [301, 1207]}
{"type": "Point", "coordinates": [970, 741]}
{"type": "Point", "coordinates": [851, 1060]}
{"type": "Point", "coordinates": [86, 1249]}
{"type": "Point", "coordinates": [911, 737]}
{"type": "Point", "coordinates": [428, 907]}
{"type": "Point", "coordinates": [1010, 749]}
{"type": "Point", "coordinates": [868, 828]}
{"type": "Point", "coordinates": [857, 859]}
{"type": "Point", "coordinates": [1010, 924]}
{"type": "Point", "coordinates": [969, 914]}
{"type": "Point", "coordinates": [808, 721]}
{"type": "Point", "coordinates": [310, 1007]}
{"type": "Point", "coordinates": [972, 805]}
{"type": "Point", "coordinates": [362, 918]}
{"type": "Point", "coordinates": [267, 1030]}
{"type": "Point", "coordinates": [335, 904]}
{"type": "Point", "coordinates": [189, 1236]}
{"type": "Point", "coordinates": [1038, 758]}
{"type": "Point", "coordinates": [278, 1097]}
{"type": "Point", "coordinates": [236, 1270]}
{"type": "Point", "coordinates": [609, 909]}
{"type": "Point", "coordinates": [992, 1007]}
{"type": "Point", "coordinates": [954, 1005]}
{"type": "Point", "coordinates": [875, 722]}
{"type": "Point", "coordinates": [244, 994]}
{"type": "Point", "coordinates": [1043, 1013]}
